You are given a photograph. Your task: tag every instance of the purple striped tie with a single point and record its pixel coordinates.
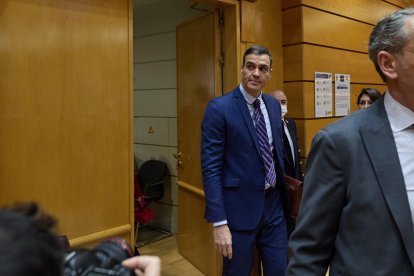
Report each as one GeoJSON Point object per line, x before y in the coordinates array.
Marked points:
{"type": "Point", "coordinates": [264, 144]}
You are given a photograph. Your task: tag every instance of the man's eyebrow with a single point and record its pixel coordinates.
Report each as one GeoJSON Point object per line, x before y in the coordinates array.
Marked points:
{"type": "Point", "coordinates": [257, 64]}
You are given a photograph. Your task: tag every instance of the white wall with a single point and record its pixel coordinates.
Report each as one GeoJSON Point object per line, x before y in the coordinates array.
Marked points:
{"type": "Point", "coordinates": [155, 94]}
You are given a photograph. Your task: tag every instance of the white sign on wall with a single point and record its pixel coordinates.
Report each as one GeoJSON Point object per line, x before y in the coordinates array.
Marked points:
{"type": "Point", "coordinates": [342, 94]}
{"type": "Point", "coordinates": [323, 94]}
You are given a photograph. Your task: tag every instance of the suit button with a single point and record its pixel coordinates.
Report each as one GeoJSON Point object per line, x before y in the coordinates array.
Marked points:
{"type": "Point", "coordinates": [262, 189]}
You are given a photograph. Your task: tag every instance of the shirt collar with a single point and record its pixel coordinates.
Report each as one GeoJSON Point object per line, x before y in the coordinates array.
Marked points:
{"type": "Point", "coordinates": [249, 98]}
{"type": "Point", "coordinates": [400, 117]}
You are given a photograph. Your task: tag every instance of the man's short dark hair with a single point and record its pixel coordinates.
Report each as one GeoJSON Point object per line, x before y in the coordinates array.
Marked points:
{"type": "Point", "coordinates": [257, 50]}
{"type": "Point", "coordinates": [27, 244]}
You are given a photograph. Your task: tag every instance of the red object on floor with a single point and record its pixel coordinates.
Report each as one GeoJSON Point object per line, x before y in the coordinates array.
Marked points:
{"type": "Point", "coordinates": [143, 213]}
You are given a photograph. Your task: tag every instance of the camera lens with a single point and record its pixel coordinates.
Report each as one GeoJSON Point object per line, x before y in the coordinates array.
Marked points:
{"type": "Point", "coordinates": [104, 259]}
{"type": "Point", "coordinates": [78, 261]}
{"type": "Point", "coordinates": [112, 251]}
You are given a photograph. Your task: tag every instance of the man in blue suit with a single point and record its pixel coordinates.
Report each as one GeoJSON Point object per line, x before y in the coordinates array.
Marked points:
{"type": "Point", "coordinates": [246, 199]}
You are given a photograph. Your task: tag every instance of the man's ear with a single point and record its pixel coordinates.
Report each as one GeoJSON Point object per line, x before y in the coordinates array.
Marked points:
{"type": "Point", "coordinates": [387, 63]}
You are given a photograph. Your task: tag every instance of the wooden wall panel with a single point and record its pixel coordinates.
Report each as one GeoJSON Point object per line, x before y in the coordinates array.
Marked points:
{"type": "Point", "coordinates": [400, 3]}
{"type": "Point", "coordinates": [66, 112]}
{"type": "Point", "coordinates": [368, 11]}
{"type": "Point", "coordinates": [300, 99]}
{"type": "Point", "coordinates": [324, 28]}
{"type": "Point", "coordinates": [292, 31]}
{"type": "Point", "coordinates": [307, 129]}
{"type": "Point", "coordinates": [269, 33]}
{"type": "Point", "coordinates": [231, 47]}
{"type": "Point", "coordinates": [301, 62]}
{"type": "Point", "coordinates": [248, 13]}
{"type": "Point", "coordinates": [267, 26]}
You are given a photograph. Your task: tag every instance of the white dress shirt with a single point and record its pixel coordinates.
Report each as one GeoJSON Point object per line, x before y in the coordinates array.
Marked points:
{"type": "Point", "coordinates": [402, 124]}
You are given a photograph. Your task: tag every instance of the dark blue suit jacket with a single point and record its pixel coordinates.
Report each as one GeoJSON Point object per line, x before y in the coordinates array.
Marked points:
{"type": "Point", "coordinates": [232, 166]}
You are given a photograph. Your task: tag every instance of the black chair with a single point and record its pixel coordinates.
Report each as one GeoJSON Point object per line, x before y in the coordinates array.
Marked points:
{"type": "Point", "coordinates": [151, 178]}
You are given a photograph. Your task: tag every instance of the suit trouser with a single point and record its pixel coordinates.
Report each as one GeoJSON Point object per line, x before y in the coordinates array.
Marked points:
{"type": "Point", "coordinates": [270, 237]}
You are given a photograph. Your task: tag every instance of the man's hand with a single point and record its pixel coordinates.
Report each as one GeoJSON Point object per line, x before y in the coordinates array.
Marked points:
{"type": "Point", "coordinates": [222, 240]}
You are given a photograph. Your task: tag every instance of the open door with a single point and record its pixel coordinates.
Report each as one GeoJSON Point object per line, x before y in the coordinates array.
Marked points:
{"type": "Point", "coordinates": [202, 73]}
{"type": "Point", "coordinates": [198, 79]}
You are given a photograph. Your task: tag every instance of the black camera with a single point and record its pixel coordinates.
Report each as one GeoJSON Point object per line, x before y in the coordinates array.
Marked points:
{"type": "Point", "coordinates": [104, 259]}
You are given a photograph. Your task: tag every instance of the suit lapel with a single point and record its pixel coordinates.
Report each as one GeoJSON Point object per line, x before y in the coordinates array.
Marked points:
{"type": "Point", "coordinates": [384, 158]}
{"type": "Point", "coordinates": [242, 105]}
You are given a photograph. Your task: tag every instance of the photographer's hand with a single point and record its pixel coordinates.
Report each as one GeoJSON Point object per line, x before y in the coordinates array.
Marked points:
{"type": "Point", "coordinates": [144, 265]}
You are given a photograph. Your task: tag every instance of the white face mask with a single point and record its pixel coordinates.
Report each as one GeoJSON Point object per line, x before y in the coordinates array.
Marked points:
{"type": "Point", "coordinates": [284, 109]}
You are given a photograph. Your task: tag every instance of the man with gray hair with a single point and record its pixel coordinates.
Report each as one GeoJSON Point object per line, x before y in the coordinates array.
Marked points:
{"type": "Point", "coordinates": [357, 212]}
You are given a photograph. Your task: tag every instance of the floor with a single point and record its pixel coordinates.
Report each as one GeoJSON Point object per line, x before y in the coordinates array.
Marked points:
{"type": "Point", "coordinates": [172, 263]}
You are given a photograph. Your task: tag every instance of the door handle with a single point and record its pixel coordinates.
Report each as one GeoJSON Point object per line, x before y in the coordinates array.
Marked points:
{"type": "Point", "coordinates": [177, 156]}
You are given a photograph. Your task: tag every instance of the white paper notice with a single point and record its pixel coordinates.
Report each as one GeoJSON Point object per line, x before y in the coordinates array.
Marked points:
{"type": "Point", "coordinates": [342, 94]}
{"type": "Point", "coordinates": [323, 94]}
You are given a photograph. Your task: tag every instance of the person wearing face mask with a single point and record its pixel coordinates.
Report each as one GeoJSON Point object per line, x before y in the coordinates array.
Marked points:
{"type": "Point", "coordinates": [290, 143]}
